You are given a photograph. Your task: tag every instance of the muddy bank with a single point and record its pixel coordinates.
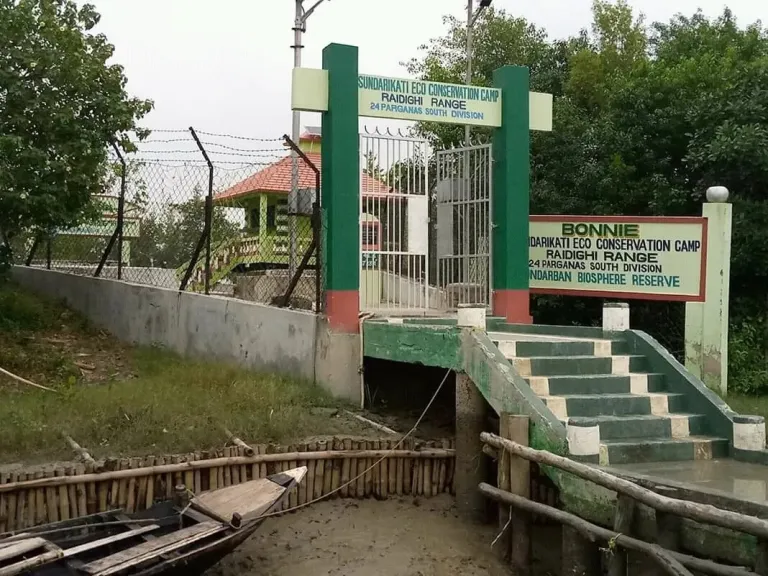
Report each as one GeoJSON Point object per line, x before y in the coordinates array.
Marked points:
{"type": "Point", "coordinates": [368, 538]}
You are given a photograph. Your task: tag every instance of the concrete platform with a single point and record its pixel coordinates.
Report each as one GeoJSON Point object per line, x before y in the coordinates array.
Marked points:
{"type": "Point", "coordinates": [740, 480]}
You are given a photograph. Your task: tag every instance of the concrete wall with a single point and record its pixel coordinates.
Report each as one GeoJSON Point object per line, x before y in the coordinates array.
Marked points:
{"type": "Point", "coordinates": [252, 335]}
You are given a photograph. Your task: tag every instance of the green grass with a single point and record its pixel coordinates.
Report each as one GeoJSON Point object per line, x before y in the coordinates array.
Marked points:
{"type": "Point", "coordinates": [172, 405]}
{"type": "Point", "coordinates": [135, 401]}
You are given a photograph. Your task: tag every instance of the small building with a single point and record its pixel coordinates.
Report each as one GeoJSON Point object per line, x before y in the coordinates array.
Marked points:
{"type": "Point", "coordinates": [263, 250]}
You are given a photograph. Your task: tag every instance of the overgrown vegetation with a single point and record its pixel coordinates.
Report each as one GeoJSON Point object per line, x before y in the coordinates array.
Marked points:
{"type": "Point", "coordinates": [115, 399]}
{"type": "Point", "coordinates": [62, 104]}
{"type": "Point", "coordinates": [646, 118]}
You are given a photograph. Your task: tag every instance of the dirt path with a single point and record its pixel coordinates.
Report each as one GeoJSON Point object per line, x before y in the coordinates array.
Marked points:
{"type": "Point", "coordinates": [368, 538]}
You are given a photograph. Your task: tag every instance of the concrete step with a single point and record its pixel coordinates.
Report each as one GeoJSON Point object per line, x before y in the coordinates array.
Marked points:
{"type": "Point", "coordinates": [674, 425]}
{"type": "Point", "coordinates": [578, 365]}
{"type": "Point", "coordinates": [512, 348]}
{"type": "Point", "coordinates": [635, 383]}
{"type": "Point", "coordinates": [572, 405]}
{"type": "Point", "coordinates": [636, 450]}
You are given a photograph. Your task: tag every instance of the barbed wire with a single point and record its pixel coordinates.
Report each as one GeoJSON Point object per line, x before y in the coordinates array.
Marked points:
{"type": "Point", "coordinates": [191, 162]}
{"type": "Point", "coordinates": [261, 154]}
{"type": "Point", "coordinates": [234, 137]}
{"type": "Point", "coordinates": [215, 134]}
{"type": "Point", "coordinates": [208, 144]}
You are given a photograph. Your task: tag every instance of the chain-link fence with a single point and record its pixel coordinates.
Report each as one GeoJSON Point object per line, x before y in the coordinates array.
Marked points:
{"type": "Point", "coordinates": [202, 212]}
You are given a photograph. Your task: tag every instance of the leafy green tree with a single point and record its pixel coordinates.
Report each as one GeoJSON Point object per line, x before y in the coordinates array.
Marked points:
{"type": "Point", "coordinates": [61, 105]}
{"type": "Point", "coordinates": [645, 119]}
{"type": "Point", "coordinates": [168, 239]}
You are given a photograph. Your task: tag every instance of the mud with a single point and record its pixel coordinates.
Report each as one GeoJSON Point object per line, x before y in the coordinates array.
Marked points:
{"type": "Point", "coordinates": [398, 537]}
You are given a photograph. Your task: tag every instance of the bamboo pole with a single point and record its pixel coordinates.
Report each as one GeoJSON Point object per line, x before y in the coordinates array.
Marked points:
{"type": "Point", "coordinates": [13, 376]}
{"type": "Point", "coordinates": [666, 559]}
{"type": "Point", "coordinates": [338, 446]}
{"type": "Point", "coordinates": [91, 498]}
{"type": "Point", "coordinates": [237, 442]}
{"type": "Point", "coordinates": [693, 511]}
{"type": "Point", "coordinates": [51, 500]}
{"type": "Point", "coordinates": [79, 450]}
{"type": "Point", "coordinates": [328, 473]}
{"type": "Point", "coordinates": [373, 424]}
{"type": "Point", "coordinates": [3, 504]}
{"type": "Point", "coordinates": [392, 480]}
{"type": "Point", "coordinates": [70, 475]}
{"type": "Point", "coordinates": [11, 506]}
{"type": "Point", "coordinates": [345, 470]}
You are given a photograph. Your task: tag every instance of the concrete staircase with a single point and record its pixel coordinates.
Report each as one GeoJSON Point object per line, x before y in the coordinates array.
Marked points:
{"type": "Point", "coordinates": [594, 381]}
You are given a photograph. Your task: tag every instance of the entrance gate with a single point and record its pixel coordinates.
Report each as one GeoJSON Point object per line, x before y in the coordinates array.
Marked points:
{"type": "Point", "coordinates": [394, 224]}
{"type": "Point", "coordinates": [463, 196]}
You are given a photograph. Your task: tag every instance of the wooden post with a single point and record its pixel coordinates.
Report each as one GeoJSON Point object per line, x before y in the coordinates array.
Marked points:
{"type": "Point", "coordinates": [518, 477]}
{"type": "Point", "coordinates": [761, 557]}
{"type": "Point", "coordinates": [503, 467]}
{"type": "Point", "coordinates": [622, 524]}
{"type": "Point", "coordinates": [580, 556]}
{"type": "Point", "coordinates": [469, 472]}
{"type": "Point", "coordinates": [668, 526]}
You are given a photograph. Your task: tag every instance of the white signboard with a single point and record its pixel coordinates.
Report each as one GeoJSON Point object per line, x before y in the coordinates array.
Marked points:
{"type": "Point", "coordinates": [618, 257]}
{"type": "Point", "coordinates": [419, 100]}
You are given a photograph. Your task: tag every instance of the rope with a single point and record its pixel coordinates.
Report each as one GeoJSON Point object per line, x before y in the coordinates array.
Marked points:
{"type": "Point", "coordinates": [372, 466]}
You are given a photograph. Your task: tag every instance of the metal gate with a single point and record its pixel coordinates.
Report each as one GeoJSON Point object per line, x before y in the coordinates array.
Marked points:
{"type": "Point", "coordinates": [463, 226]}
{"type": "Point", "coordinates": [394, 224]}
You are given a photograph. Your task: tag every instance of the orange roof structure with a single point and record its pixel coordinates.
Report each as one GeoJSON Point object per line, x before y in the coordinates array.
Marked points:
{"type": "Point", "coordinates": [276, 179]}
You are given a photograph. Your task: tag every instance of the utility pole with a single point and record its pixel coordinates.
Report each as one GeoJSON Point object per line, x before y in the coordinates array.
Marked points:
{"type": "Point", "coordinates": [467, 179]}
{"type": "Point", "coordinates": [299, 27]}
{"type": "Point", "coordinates": [468, 77]}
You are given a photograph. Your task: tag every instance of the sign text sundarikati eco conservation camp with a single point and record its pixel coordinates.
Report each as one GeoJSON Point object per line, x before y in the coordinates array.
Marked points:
{"type": "Point", "coordinates": [636, 258]}
{"type": "Point", "coordinates": [416, 100]}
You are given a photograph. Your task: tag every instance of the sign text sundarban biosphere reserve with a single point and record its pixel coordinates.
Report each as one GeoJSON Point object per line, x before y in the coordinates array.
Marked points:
{"type": "Point", "coordinates": [629, 257]}
{"type": "Point", "coordinates": [419, 100]}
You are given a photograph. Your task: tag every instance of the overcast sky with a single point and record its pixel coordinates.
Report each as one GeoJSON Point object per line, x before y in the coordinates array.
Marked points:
{"type": "Point", "coordinates": [225, 66]}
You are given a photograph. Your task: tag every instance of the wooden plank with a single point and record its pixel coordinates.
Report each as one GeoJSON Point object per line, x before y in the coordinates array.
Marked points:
{"type": "Point", "coordinates": [75, 550]}
{"type": "Point", "coordinates": [248, 499]}
{"type": "Point", "coordinates": [21, 547]}
{"type": "Point", "coordinates": [5, 543]}
{"type": "Point", "coordinates": [152, 548]}
{"type": "Point", "coordinates": [52, 553]}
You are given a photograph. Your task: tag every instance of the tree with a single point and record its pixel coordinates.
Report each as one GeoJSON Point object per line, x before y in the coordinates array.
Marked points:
{"type": "Point", "coordinates": [168, 239]}
{"type": "Point", "coordinates": [645, 119]}
{"type": "Point", "coordinates": [61, 106]}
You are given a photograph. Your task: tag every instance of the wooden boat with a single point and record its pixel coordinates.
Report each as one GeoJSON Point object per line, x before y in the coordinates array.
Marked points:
{"type": "Point", "coordinates": [183, 536]}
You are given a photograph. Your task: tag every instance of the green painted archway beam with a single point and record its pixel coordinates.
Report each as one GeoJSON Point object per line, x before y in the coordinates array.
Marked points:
{"type": "Point", "coordinates": [335, 92]}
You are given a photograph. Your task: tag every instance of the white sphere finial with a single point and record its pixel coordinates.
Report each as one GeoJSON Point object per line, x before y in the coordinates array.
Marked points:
{"type": "Point", "coordinates": [717, 194]}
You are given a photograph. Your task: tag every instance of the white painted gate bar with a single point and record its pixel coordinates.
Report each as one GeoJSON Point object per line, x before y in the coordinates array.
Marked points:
{"type": "Point", "coordinates": [394, 224]}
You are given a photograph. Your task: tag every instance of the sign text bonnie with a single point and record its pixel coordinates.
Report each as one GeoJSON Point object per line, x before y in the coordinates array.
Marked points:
{"type": "Point", "coordinates": [419, 100]}
{"type": "Point", "coordinates": [618, 257]}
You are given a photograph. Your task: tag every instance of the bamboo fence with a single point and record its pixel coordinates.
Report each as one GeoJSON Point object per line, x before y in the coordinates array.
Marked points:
{"type": "Point", "coordinates": [50, 494]}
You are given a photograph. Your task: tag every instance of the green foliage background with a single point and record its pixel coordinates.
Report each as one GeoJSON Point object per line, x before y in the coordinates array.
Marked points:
{"type": "Point", "coordinates": [646, 117]}
{"type": "Point", "coordinates": [62, 103]}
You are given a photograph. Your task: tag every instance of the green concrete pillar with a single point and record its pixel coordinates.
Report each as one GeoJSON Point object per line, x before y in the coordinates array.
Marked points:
{"type": "Point", "coordinates": [511, 192]}
{"type": "Point", "coordinates": [341, 189]}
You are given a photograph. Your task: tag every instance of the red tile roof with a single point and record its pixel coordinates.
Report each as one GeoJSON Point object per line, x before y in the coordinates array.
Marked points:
{"type": "Point", "coordinates": [276, 178]}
